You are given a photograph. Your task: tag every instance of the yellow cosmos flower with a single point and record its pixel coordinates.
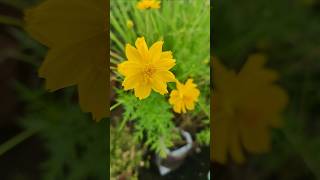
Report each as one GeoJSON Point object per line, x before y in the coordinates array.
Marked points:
{"type": "Point", "coordinates": [245, 106]}
{"type": "Point", "coordinates": [148, 4]}
{"type": "Point", "coordinates": [75, 31]}
{"type": "Point", "coordinates": [184, 97]}
{"type": "Point", "coordinates": [147, 69]}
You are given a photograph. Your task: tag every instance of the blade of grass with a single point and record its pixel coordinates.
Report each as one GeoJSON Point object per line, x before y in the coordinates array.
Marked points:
{"type": "Point", "coordinates": [11, 143]}
{"type": "Point", "coordinates": [11, 21]}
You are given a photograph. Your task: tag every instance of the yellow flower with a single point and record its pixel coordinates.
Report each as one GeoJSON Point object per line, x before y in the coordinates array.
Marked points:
{"type": "Point", "coordinates": [76, 34]}
{"type": "Point", "coordinates": [148, 4]}
{"type": "Point", "coordinates": [245, 106]}
{"type": "Point", "coordinates": [147, 69]}
{"type": "Point", "coordinates": [129, 24]}
{"type": "Point", "coordinates": [184, 97]}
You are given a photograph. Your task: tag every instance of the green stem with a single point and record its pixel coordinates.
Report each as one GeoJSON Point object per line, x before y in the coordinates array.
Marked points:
{"type": "Point", "coordinates": [123, 123]}
{"type": "Point", "coordinates": [147, 16]}
{"type": "Point", "coordinates": [11, 143]}
{"type": "Point", "coordinates": [114, 106]}
{"type": "Point", "coordinates": [204, 109]}
{"type": "Point", "coordinates": [154, 24]}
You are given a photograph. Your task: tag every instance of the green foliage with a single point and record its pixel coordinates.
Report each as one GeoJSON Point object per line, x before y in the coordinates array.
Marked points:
{"type": "Point", "coordinates": [287, 33]}
{"type": "Point", "coordinates": [203, 137]}
{"type": "Point", "coordinates": [125, 155]}
{"type": "Point", "coordinates": [76, 145]}
{"type": "Point", "coordinates": [20, 4]}
{"type": "Point", "coordinates": [153, 120]}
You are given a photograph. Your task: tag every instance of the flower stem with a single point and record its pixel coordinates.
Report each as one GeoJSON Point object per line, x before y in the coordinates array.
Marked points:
{"type": "Point", "coordinates": [147, 16]}
{"type": "Point", "coordinates": [114, 106]}
{"type": "Point", "coordinates": [204, 109]}
{"type": "Point", "coordinates": [11, 143]}
{"type": "Point", "coordinates": [123, 123]}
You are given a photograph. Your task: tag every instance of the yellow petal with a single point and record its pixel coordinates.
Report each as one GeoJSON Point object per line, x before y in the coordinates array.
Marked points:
{"type": "Point", "coordinates": [165, 76]}
{"type": "Point", "coordinates": [129, 68]}
{"type": "Point", "coordinates": [173, 96]}
{"type": "Point", "coordinates": [190, 105]}
{"type": "Point", "coordinates": [77, 41]}
{"type": "Point", "coordinates": [165, 64]}
{"type": "Point", "coordinates": [166, 55]}
{"type": "Point", "coordinates": [177, 107]}
{"type": "Point", "coordinates": [142, 48]}
{"type": "Point", "coordinates": [235, 145]}
{"type": "Point", "coordinates": [183, 107]}
{"type": "Point", "coordinates": [255, 139]}
{"type": "Point", "coordinates": [142, 91]}
{"type": "Point", "coordinates": [219, 130]}
{"type": "Point", "coordinates": [131, 82]}
{"type": "Point", "coordinates": [66, 65]}
{"type": "Point", "coordinates": [133, 54]}
{"type": "Point", "coordinates": [190, 84]}
{"type": "Point", "coordinates": [155, 5]}
{"type": "Point", "coordinates": [80, 20]}
{"type": "Point", "coordinates": [159, 85]}
{"type": "Point", "coordinates": [155, 51]}
{"type": "Point", "coordinates": [222, 77]}
{"type": "Point", "coordinates": [60, 69]}
{"type": "Point", "coordinates": [254, 70]}
{"type": "Point", "coordinates": [94, 94]}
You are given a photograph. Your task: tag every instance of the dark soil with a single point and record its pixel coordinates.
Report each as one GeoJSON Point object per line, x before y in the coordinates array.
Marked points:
{"type": "Point", "coordinates": [196, 166]}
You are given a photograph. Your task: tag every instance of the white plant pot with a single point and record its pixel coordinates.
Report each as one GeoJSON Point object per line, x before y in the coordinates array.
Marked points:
{"type": "Point", "coordinates": [175, 157]}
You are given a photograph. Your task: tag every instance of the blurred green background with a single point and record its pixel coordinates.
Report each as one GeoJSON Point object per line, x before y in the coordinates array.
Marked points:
{"type": "Point", "coordinates": [42, 135]}
{"type": "Point", "coordinates": [287, 32]}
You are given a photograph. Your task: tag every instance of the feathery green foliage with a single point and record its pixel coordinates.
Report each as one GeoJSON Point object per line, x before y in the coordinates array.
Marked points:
{"type": "Point", "coordinates": [286, 32]}
{"type": "Point", "coordinates": [75, 143]}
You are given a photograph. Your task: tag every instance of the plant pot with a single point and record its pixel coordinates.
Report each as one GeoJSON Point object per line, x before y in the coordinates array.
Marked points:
{"type": "Point", "coordinates": [175, 157]}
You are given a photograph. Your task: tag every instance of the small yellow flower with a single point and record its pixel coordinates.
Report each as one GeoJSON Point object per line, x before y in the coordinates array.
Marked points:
{"type": "Point", "coordinates": [147, 69]}
{"type": "Point", "coordinates": [184, 97]}
{"type": "Point", "coordinates": [245, 106]}
{"type": "Point", "coordinates": [75, 33]}
{"type": "Point", "coordinates": [129, 24]}
{"type": "Point", "coordinates": [148, 4]}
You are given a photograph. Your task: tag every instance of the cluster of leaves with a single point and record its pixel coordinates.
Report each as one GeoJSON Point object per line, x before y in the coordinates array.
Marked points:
{"type": "Point", "coordinates": [154, 124]}
{"type": "Point", "coordinates": [187, 36]}
{"type": "Point", "coordinates": [125, 155]}
{"type": "Point", "coordinates": [203, 137]}
{"type": "Point", "coordinates": [76, 145]}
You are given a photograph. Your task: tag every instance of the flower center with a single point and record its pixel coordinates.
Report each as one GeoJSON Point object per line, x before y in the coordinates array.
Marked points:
{"type": "Point", "coordinates": [148, 73]}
